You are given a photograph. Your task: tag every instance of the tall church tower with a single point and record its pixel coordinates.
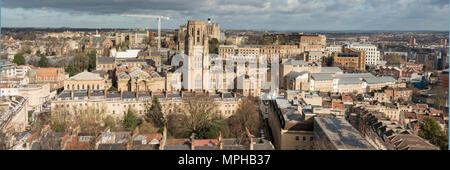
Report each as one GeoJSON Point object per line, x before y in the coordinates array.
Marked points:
{"type": "Point", "coordinates": [196, 47]}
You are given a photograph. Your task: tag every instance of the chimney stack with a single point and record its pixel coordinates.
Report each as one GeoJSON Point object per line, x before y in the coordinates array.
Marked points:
{"type": "Point", "coordinates": [220, 141]}
{"type": "Point", "coordinates": [193, 141]}
{"type": "Point", "coordinates": [250, 139]}
{"type": "Point", "coordinates": [162, 143]}
{"type": "Point", "coordinates": [106, 93]}
{"type": "Point", "coordinates": [89, 93]}
{"type": "Point", "coordinates": [71, 94]}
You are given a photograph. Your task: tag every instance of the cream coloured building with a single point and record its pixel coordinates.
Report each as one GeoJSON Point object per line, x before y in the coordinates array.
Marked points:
{"type": "Point", "coordinates": [86, 80]}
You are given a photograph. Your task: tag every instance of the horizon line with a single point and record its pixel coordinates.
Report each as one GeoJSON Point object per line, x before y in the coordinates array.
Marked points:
{"type": "Point", "coordinates": [237, 29]}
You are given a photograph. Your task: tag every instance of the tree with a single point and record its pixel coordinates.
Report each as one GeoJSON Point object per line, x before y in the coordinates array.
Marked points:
{"type": "Point", "coordinates": [154, 114]}
{"type": "Point", "coordinates": [110, 122]}
{"type": "Point", "coordinates": [146, 40]}
{"type": "Point", "coordinates": [328, 61]}
{"type": "Point", "coordinates": [112, 88]}
{"type": "Point", "coordinates": [148, 128]}
{"type": "Point", "coordinates": [197, 116]}
{"type": "Point", "coordinates": [176, 126]}
{"type": "Point", "coordinates": [394, 59]}
{"type": "Point", "coordinates": [130, 120]}
{"type": "Point", "coordinates": [213, 45]}
{"type": "Point", "coordinates": [43, 62]}
{"type": "Point", "coordinates": [247, 116]}
{"type": "Point", "coordinates": [431, 130]}
{"type": "Point", "coordinates": [79, 63]}
{"type": "Point", "coordinates": [216, 127]}
{"type": "Point", "coordinates": [439, 96]}
{"type": "Point", "coordinates": [19, 59]}
{"type": "Point", "coordinates": [90, 119]}
{"type": "Point", "coordinates": [92, 57]}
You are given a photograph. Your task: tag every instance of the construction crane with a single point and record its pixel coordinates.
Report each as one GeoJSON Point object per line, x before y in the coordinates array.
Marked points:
{"type": "Point", "coordinates": [151, 16]}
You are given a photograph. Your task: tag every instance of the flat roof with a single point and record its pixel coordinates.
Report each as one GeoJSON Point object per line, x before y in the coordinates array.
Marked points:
{"type": "Point", "coordinates": [341, 134]}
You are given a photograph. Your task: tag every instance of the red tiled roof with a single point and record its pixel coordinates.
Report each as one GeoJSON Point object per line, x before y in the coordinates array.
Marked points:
{"type": "Point", "coordinates": [150, 137]}
{"type": "Point", "coordinates": [32, 136]}
{"type": "Point", "coordinates": [434, 111]}
{"type": "Point", "coordinates": [205, 142]}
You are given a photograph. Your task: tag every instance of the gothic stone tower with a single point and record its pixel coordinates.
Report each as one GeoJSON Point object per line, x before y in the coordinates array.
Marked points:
{"type": "Point", "coordinates": [196, 47]}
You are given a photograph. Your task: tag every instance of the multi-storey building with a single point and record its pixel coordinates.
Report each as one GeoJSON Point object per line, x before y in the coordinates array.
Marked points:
{"type": "Point", "coordinates": [371, 52]}
{"type": "Point", "coordinates": [117, 104]}
{"type": "Point", "coordinates": [86, 80]}
{"type": "Point", "coordinates": [350, 60]}
{"type": "Point", "coordinates": [312, 43]}
{"type": "Point", "coordinates": [135, 79]}
{"type": "Point", "coordinates": [53, 76]}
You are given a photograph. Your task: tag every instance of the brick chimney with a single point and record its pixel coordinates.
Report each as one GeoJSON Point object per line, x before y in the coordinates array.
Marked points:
{"type": "Point", "coordinates": [89, 93]}
{"type": "Point", "coordinates": [106, 93]}
{"type": "Point", "coordinates": [71, 94]}
{"type": "Point", "coordinates": [162, 143]}
{"type": "Point", "coordinates": [193, 141]}
{"type": "Point", "coordinates": [220, 141]}
{"type": "Point", "coordinates": [250, 139]}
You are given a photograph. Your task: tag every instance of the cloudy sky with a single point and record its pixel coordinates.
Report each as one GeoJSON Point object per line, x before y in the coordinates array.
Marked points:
{"type": "Point", "coordinates": [232, 14]}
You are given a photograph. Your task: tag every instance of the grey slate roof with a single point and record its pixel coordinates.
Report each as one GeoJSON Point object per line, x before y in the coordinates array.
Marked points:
{"type": "Point", "coordinates": [355, 75]}
{"type": "Point", "coordinates": [341, 134]}
{"type": "Point", "coordinates": [295, 62]}
{"type": "Point", "coordinates": [128, 94]}
{"type": "Point", "coordinates": [331, 69]}
{"type": "Point", "coordinates": [294, 74]}
{"type": "Point", "coordinates": [106, 60]}
{"type": "Point", "coordinates": [350, 81]}
{"type": "Point", "coordinates": [319, 76]}
{"type": "Point", "coordinates": [177, 147]}
{"type": "Point", "coordinates": [376, 80]}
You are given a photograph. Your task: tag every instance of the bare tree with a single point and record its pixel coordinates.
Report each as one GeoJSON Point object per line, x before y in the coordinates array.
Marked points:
{"type": "Point", "coordinates": [247, 116]}
{"type": "Point", "coordinates": [199, 114]}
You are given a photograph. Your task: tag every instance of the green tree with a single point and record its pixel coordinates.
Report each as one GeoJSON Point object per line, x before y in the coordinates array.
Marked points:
{"type": "Point", "coordinates": [110, 122]}
{"type": "Point", "coordinates": [130, 120]}
{"type": "Point", "coordinates": [431, 130]}
{"type": "Point", "coordinates": [154, 114]}
{"type": "Point", "coordinates": [216, 127]}
{"type": "Point", "coordinates": [43, 62]}
{"type": "Point", "coordinates": [213, 45]}
{"type": "Point", "coordinates": [19, 59]}
{"type": "Point", "coordinates": [79, 63]}
{"type": "Point", "coordinates": [92, 64]}
{"type": "Point", "coordinates": [112, 88]}
{"type": "Point", "coordinates": [439, 96]}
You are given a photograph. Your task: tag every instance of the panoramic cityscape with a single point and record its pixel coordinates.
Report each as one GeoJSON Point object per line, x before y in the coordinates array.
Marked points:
{"type": "Point", "coordinates": [224, 76]}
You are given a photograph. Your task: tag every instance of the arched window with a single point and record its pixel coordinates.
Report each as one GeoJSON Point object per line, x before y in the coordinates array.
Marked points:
{"type": "Point", "coordinates": [78, 87]}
